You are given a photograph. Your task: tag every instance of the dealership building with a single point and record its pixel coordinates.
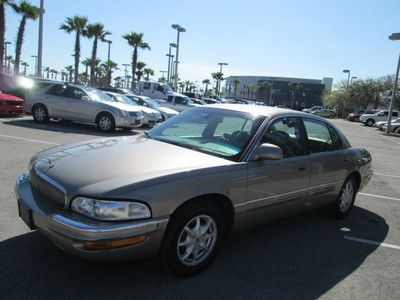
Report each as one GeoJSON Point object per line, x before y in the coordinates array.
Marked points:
{"type": "Point", "coordinates": [277, 91]}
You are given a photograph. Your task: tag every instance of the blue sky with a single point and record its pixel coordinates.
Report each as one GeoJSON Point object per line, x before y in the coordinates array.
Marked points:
{"type": "Point", "coordinates": [303, 38]}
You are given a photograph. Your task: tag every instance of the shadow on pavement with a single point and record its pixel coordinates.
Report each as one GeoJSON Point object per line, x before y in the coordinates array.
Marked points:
{"type": "Point", "coordinates": [60, 126]}
{"type": "Point", "coordinates": [298, 257]}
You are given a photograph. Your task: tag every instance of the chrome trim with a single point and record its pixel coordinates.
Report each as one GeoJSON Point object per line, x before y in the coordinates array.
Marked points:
{"type": "Point", "coordinates": [286, 194]}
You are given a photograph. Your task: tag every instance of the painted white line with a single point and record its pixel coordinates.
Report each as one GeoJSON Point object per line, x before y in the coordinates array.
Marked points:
{"type": "Point", "coordinates": [27, 140]}
{"type": "Point", "coordinates": [386, 175]}
{"type": "Point", "coordinates": [354, 239]}
{"type": "Point", "coordinates": [379, 196]}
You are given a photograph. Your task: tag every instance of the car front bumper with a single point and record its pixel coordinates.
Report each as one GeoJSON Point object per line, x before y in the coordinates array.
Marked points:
{"type": "Point", "coordinates": [129, 122]}
{"type": "Point", "coordinates": [69, 230]}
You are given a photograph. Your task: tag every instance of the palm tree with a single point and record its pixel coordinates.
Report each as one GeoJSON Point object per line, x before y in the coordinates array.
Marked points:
{"type": "Point", "coordinates": [2, 32]}
{"type": "Point", "coordinates": [25, 64]}
{"type": "Point", "coordinates": [206, 82]}
{"type": "Point", "coordinates": [139, 66]}
{"type": "Point", "coordinates": [86, 62]}
{"type": "Point", "coordinates": [9, 59]}
{"type": "Point", "coordinates": [148, 72]}
{"type": "Point", "coordinates": [293, 87]}
{"type": "Point", "coordinates": [162, 80]}
{"type": "Point", "coordinates": [218, 76]}
{"type": "Point", "coordinates": [262, 87]}
{"type": "Point", "coordinates": [47, 70]}
{"type": "Point", "coordinates": [181, 86]}
{"type": "Point", "coordinates": [110, 66]}
{"type": "Point", "coordinates": [236, 82]}
{"type": "Point", "coordinates": [117, 81]}
{"type": "Point", "coordinates": [95, 30]}
{"type": "Point", "coordinates": [64, 76]}
{"type": "Point", "coordinates": [76, 24]}
{"type": "Point", "coordinates": [28, 11]}
{"type": "Point", "coordinates": [252, 88]}
{"type": "Point", "coordinates": [53, 73]}
{"type": "Point", "coordinates": [136, 41]}
{"type": "Point", "coordinates": [70, 70]}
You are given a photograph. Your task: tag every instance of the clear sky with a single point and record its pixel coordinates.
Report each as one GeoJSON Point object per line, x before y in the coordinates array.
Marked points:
{"type": "Point", "coordinates": [297, 38]}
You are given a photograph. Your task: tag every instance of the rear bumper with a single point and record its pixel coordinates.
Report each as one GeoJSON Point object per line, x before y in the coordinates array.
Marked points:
{"type": "Point", "coordinates": [69, 230]}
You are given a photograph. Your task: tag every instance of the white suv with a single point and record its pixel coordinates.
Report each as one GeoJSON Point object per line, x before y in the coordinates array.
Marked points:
{"type": "Point", "coordinates": [371, 119]}
{"type": "Point", "coordinates": [312, 109]}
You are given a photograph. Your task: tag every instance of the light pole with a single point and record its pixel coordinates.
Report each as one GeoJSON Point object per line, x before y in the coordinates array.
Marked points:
{"type": "Point", "coordinates": [36, 64]}
{"type": "Point", "coordinates": [40, 42]}
{"type": "Point", "coordinates": [220, 70]}
{"type": "Point", "coordinates": [393, 37]}
{"type": "Point", "coordinates": [163, 73]}
{"type": "Point", "coordinates": [5, 54]}
{"type": "Point", "coordinates": [126, 73]}
{"type": "Point", "coordinates": [179, 29]}
{"type": "Point", "coordinates": [353, 78]}
{"type": "Point", "coordinates": [170, 58]}
{"type": "Point", "coordinates": [347, 90]}
{"type": "Point", "coordinates": [108, 63]}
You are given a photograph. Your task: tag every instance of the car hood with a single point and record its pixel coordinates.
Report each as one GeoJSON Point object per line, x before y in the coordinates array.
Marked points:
{"type": "Point", "coordinates": [166, 110]}
{"type": "Point", "coordinates": [148, 110]}
{"type": "Point", "coordinates": [123, 106]}
{"type": "Point", "coordinates": [97, 167]}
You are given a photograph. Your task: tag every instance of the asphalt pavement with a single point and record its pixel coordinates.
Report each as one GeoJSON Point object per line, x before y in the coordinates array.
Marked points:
{"type": "Point", "coordinates": [301, 257]}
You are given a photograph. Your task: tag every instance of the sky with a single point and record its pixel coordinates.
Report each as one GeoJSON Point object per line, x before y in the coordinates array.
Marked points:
{"type": "Point", "coordinates": [292, 38]}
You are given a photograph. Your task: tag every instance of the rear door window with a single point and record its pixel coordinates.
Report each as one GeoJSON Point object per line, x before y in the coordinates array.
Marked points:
{"type": "Point", "coordinates": [57, 90]}
{"type": "Point", "coordinates": [320, 138]}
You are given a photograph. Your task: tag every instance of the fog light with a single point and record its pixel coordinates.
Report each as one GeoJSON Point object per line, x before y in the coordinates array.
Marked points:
{"type": "Point", "coordinates": [103, 245]}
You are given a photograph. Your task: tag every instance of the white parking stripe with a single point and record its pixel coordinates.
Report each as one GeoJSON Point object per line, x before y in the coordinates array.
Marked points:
{"type": "Point", "coordinates": [379, 196]}
{"type": "Point", "coordinates": [379, 174]}
{"type": "Point", "coordinates": [354, 239]}
{"type": "Point", "coordinates": [27, 140]}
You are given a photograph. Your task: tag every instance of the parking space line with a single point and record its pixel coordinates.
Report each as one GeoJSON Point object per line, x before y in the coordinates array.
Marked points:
{"type": "Point", "coordinates": [386, 175]}
{"type": "Point", "coordinates": [379, 196]}
{"type": "Point", "coordinates": [354, 239]}
{"type": "Point", "coordinates": [27, 140]}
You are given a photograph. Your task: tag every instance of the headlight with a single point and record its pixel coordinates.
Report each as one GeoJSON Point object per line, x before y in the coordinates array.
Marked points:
{"type": "Point", "coordinates": [136, 114]}
{"type": "Point", "coordinates": [123, 113]}
{"type": "Point", "coordinates": [107, 210]}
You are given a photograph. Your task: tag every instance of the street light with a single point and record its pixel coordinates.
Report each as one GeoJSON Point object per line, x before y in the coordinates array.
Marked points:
{"type": "Point", "coordinates": [40, 39]}
{"type": "Point", "coordinates": [108, 62]}
{"type": "Point", "coordinates": [5, 53]}
{"type": "Point", "coordinates": [353, 78]}
{"type": "Point", "coordinates": [163, 73]}
{"type": "Point", "coordinates": [36, 63]}
{"type": "Point", "coordinates": [179, 29]}
{"type": "Point", "coordinates": [347, 90]}
{"type": "Point", "coordinates": [170, 59]}
{"type": "Point", "coordinates": [393, 37]}
{"type": "Point", "coordinates": [126, 73]}
{"type": "Point", "coordinates": [220, 70]}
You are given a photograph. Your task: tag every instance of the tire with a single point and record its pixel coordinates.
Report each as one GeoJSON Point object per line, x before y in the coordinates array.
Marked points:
{"type": "Point", "coordinates": [345, 200]}
{"type": "Point", "coordinates": [203, 242]}
{"type": "Point", "coordinates": [370, 122]}
{"type": "Point", "coordinates": [105, 122]}
{"type": "Point", "coordinates": [397, 130]}
{"type": "Point", "coordinates": [40, 113]}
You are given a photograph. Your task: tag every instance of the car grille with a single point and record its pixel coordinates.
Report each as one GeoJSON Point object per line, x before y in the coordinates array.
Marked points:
{"type": "Point", "coordinates": [47, 191]}
{"type": "Point", "coordinates": [10, 103]}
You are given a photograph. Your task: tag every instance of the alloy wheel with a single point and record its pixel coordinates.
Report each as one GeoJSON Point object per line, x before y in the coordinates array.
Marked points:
{"type": "Point", "coordinates": [347, 197]}
{"type": "Point", "coordinates": [105, 123]}
{"type": "Point", "coordinates": [40, 114]}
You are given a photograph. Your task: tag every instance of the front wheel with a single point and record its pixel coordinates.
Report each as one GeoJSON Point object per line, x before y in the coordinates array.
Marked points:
{"type": "Point", "coordinates": [105, 122]}
{"type": "Point", "coordinates": [345, 200]}
{"type": "Point", "coordinates": [193, 238]}
{"type": "Point", "coordinates": [40, 113]}
{"type": "Point", "coordinates": [370, 122]}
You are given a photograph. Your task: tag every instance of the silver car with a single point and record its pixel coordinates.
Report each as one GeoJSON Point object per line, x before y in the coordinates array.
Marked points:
{"type": "Point", "coordinates": [82, 104]}
{"type": "Point", "coordinates": [148, 102]}
{"type": "Point", "coordinates": [178, 189]}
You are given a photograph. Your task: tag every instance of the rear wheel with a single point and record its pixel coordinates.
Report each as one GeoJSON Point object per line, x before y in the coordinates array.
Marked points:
{"type": "Point", "coordinates": [370, 122]}
{"type": "Point", "coordinates": [40, 113]}
{"type": "Point", "coordinates": [193, 238]}
{"type": "Point", "coordinates": [345, 200]}
{"type": "Point", "coordinates": [105, 122]}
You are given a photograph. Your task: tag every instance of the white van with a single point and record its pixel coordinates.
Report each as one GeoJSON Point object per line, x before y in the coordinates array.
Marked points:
{"type": "Point", "coordinates": [154, 90]}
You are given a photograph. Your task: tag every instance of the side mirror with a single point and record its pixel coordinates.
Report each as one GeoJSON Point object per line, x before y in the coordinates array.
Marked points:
{"type": "Point", "coordinates": [268, 152]}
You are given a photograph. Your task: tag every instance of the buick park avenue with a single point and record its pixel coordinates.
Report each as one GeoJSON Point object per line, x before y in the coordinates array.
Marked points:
{"type": "Point", "coordinates": [178, 189]}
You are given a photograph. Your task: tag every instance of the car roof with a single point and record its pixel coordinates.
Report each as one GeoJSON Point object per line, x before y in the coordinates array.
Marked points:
{"type": "Point", "coordinates": [266, 111]}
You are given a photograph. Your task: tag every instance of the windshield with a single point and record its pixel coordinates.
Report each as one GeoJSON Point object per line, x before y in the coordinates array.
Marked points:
{"type": "Point", "coordinates": [97, 95]}
{"type": "Point", "coordinates": [152, 103]}
{"type": "Point", "coordinates": [125, 99]}
{"type": "Point", "coordinates": [218, 132]}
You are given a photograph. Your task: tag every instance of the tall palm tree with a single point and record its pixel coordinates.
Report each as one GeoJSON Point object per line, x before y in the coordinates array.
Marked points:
{"type": "Point", "coordinates": [206, 82]}
{"type": "Point", "coordinates": [252, 89]}
{"type": "Point", "coordinates": [293, 87]}
{"type": "Point", "coordinates": [148, 72]}
{"type": "Point", "coordinates": [2, 33]}
{"type": "Point", "coordinates": [47, 70]}
{"type": "Point", "coordinates": [64, 76]}
{"type": "Point", "coordinates": [187, 84]}
{"type": "Point", "coordinates": [135, 40]}
{"type": "Point", "coordinates": [110, 67]}
{"type": "Point", "coordinates": [262, 88]}
{"type": "Point", "coordinates": [117, 81]}
{"type": "Point", "coordinates": [139, 66]}
{"type": "Point", "coordinates": [70, 70]}
{"type": "Point", "coordinates": [218, 76]}
{"type": "Point", "coordinates": [86, 62]}
{"type": "Point", "coordinates": [53, 73]}
{"type": "Point", "coordinates": [236, 82]}
{"type": "Point", "coordinates": [27, 11]}
{"type": "Point", "coordinates": [76, 24]}
{"type": "Point", "coordinates": [97, 32]}
{"type": "Point", "coordinates": [181, 86]}
{"type": "Point", "coordinates": [25, 64]}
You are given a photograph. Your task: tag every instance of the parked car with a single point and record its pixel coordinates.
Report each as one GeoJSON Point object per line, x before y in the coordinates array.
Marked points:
{"type": "Point", "coordinates": [394, 124]}
{"type": "Point", "coordinates": [210, 101]}
{"type": "Point", "coordinates": [166, 112]}
{"type": "Point", "coordinates": [150, 116]}
{"type": "Point", "coordinates": [355, 117]}
{"type": "Point", "coordinates": [198, 101]}
{"type": "Point", "coordinates": [371, 119]}
{"type": "Point", "coordinates": [11, 105]}
{"type": "Point", "coordinates": [193, 95]}
{"type": "Point", "coordinates": [115, 90]}
{"type": "Point", "coordinates": [154, 90]}
{"type": "Point", "coordinates": [177, 102]}
{"type": "Point", "coordinates": [179, 188]}
{"type": "Point", "coordinates": [312, 109]}
{"type": "Point", "coordinates": [78, 103]}
{"type": "Point", "coordinates": [325, 113]}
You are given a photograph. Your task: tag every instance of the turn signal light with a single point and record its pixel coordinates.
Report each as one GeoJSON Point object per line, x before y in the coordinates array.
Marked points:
{"type": "Point", "coordinates": [103, 245]}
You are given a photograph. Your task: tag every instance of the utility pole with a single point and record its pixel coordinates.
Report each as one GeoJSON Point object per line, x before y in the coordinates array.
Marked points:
{"type": "Point", "coordinates": [40, 43]}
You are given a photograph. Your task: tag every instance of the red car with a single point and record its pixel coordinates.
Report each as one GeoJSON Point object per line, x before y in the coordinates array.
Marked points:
{"type": "Point", "coordinates": [11, 105]}
{"type": "Point", "coordinates": [355, 117]}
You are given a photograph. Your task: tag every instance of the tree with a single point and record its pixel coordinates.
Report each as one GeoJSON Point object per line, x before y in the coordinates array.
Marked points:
{"type": "Point", "coordinates": [86, 62]}
{"type": "Point", "coordinates": [181, 85]}
{"type": "Point", "coordinates": [70, 70]}
{"type": "Point", "coordinates": [97, 32]}
{"type": "Point", "coordinates": [110, 66]}
{"type": "Point", "coordinates": [252, 89]}
{"type": "Point", "coordinates": [294, 86]}
{"type": "Point", "coordinates": [262, 88]}
{"type": "Point", "coordinates": [117, 81]}
{"type": "Point", "coordinates": [47, 70]}
{"type": "Point", "coordinates": [76, 24]}
{"type": "Point", "coordinates": [64, 76]}
{"type": "Point", "coordinates": [162, 80]}
{"type": "Point", "coordinates": [135, 40]}
{"type": "Point", "coordinates": [218, 76]}
{"type": "Point", "coordinates": [28, 11]}
{"type": "Point", "coordinates": [149, 72]}
{"type": "Point", "coordinates": [25, 64]}
{"type": "Point", "coordinates": [139, 66]}
{"type": "Point", "coordinates": [2, 32]}
{"type": "Point", "coordinates": [206, 82]}
{"type": "Point", "coordinates": [236, 82]}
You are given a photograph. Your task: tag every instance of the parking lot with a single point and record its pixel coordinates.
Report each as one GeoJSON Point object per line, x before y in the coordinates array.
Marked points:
{"type": "Point", "coordinates": [306, 256]}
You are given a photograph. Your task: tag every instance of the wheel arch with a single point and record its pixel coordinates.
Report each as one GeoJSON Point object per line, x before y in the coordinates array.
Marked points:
{"type": "Point", "coordinates": [102, 112]}
{"type": "Point", "coordinates": [357, 176]}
